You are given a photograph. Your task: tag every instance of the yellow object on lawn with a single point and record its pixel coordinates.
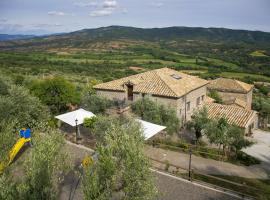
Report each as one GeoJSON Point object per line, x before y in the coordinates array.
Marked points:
{"type": "Point", "coordinates": [14, 151]}
{"type": "Point", "coordinates": [87, 161]}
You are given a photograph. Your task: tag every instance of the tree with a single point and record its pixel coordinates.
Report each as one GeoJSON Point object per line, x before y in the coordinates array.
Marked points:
{"type": "Point", "coordinates": [214, 94]}
{"type": "Point", "coordinates": [44, 166]}
{"type": "Point", "coordinates": [198, 121]}
{"type": "Point", "coordinates": [229, 137]}
{"type": "Point", "coordinates": [95, 104]}
{"type": "Point", "coordinates": [156, 113]}
{"type": "Point", "coordinates": [24, 110]}
{"type": "Point", "coordinates": [7, 139]}
{"type": "Point", "coordinates": [262, 105]}
{"type": "Point", "coordinates": [89, 122]}
{"type": "Point", "coordinates": [56, 93]}
{"type": "Point", "coordinates": [89, 89]}
{"type": "Point", "coordinates": [121, 170]}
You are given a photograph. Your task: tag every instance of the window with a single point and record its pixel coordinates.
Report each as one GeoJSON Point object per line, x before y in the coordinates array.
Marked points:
{"type": "Point", "coordinates": [176, 76]}
{"type": "Point", "coordinates": [198, 102]}
{"type": "Point", "coordinates": [202, 97]}
{"type": "Point", "coordinates": [188, 106]}
{"type": "Point", "coordinates": [130, 92]}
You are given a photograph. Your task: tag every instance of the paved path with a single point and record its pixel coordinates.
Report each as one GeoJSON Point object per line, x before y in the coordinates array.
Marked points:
{"type": "Point", "coordinates": [169, 187]}
{"type": "Point", "coordinates": [174, 188]}
{"type": "Point", "coordinates": [207, 166]}
{"type": "Point", "coordinates": [261, 148]}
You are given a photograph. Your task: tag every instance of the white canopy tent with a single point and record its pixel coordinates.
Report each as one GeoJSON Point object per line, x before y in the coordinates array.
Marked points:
{"type": "Point", "coordinates": [71, 117]}
{"type": "Point", "coordinates": [150, 129]}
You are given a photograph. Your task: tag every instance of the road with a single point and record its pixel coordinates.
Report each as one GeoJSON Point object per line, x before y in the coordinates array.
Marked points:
{"type": "Point", "coordinates": [169, 187]}
{"type": "Point", "coordinates": [207, 166]}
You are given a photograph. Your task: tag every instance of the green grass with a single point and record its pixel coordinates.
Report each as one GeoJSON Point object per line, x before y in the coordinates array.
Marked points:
{"type": "Point", "coordinates": [258, 53]}
{"type": "Point", "coordinates": [242, 75]}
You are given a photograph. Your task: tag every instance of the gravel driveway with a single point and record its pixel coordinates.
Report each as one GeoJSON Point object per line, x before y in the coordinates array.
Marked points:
{"type": "Point", "coordinates": [261, 148]}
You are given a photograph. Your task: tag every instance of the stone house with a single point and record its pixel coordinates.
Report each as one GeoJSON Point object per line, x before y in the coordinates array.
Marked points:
{"type": "Point", "coordinates": [241, 117]}
{"type": "Point", "coordinates": [232, 92]}
{"type": "Point", "coordinates": [165, 86]}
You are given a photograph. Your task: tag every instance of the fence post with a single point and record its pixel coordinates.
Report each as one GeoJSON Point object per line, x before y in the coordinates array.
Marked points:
{"type": "Point", "coordinates": [189, 167]}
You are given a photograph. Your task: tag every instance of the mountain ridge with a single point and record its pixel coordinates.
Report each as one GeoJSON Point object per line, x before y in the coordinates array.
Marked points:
{"type": "Point", "coordinates": [82, 38]}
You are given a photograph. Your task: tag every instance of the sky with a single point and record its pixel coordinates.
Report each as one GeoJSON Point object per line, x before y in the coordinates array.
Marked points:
{"type": "Point", "coordinates": [57, 16]}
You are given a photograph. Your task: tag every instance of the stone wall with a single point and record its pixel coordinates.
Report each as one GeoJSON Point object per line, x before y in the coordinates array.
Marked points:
{"type": "Point", "coordinates": [226, 96]}
{"type": "Point", "coordinates": [177, 103]}
{"type": "Point", "coordinates": [192, 98]}
{"type": "Point", "coordinates": [112, 95]}
{"type": "Point", "coordinates": [253, 123]}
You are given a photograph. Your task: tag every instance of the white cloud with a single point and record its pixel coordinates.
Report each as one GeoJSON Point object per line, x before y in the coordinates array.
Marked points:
{"type": "Point", "coordinates": [60, 13]}
{"type": "Point", "coordinates": [56, 13]}
{"type": "Point", "coordinates": [157, 4]}
{"type": "Point", "coordinates": [86, 4]}
{"type": "Point", "coordinates": [100, 13]}
{"type": "Point", "coordinates": [42, 25]}
{"type": "Point", "coordinates": [108, 7]}
{"type": "Point", "coordinates": [110, 4]}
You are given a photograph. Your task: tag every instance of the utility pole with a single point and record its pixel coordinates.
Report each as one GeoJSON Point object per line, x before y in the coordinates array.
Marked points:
{"type": "Point", "coordinates": [189, 167]}
{"type": "Point", "coordinates": [76, 135]}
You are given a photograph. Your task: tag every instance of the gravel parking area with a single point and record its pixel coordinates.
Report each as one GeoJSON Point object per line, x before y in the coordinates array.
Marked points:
{"type": "Point", "coordinates": [261, 148]}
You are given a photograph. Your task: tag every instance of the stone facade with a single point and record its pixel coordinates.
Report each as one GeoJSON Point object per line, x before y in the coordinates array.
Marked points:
{"type": "Point", "coordinates": [252, 124]}
{"type": "Point", "coordinates": [112, 95]}
{"type": "Point", "coordinates": [184, 106]}
{"type": "Point", "coordinates": [246, 97]}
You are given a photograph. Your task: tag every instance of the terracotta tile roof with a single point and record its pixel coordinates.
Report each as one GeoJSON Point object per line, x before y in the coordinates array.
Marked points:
{"type": "Point", "coordinates": [163, 82]}
{"type": "Point", "coordinates": [234, 114]}
{"type": "Point", "coordinates": [229, 85]}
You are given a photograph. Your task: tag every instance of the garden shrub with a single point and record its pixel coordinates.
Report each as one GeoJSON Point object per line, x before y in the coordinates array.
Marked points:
{"type": "Point", "coordinates": [158, 114]}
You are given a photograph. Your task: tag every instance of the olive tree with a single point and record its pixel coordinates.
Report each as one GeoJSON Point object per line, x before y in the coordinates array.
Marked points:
{"type": "Point", "coordinates": [56, 93]}
{"type": "Point", "coordinates": [157, 113]}
{"type": "Point", "coordinates": [45, 166]}
{"type": "Point", "coordinates": [198, 121]}
{"type": "Point", "coordinates": [229, 137]}
{"type": "Point", "coordinates": [95, 103]}
{"type": "Point", "coordinates": [21, 108]}
{"type": "Point", "coordinates": [121, 170]}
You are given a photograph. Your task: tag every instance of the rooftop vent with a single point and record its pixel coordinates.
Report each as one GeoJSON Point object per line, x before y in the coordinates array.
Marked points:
{"type": "Point", "coordinates": [176, 76]}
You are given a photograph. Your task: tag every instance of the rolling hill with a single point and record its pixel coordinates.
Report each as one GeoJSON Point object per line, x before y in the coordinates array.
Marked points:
{"type": "Point", "coordinates": [107, 52]}
{"type": "Point", "coordinates": [5, 37]}
{"type": "Point", "coordinates": [84, 38]}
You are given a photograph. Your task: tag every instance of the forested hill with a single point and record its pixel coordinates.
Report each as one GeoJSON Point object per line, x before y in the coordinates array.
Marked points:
{"type": "Point", "coordinates": [4, 37]}
{"type": "Point", "coordinates": [86, 37]}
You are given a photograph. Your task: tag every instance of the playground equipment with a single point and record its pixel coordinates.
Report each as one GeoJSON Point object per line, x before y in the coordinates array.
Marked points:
{"type": "Point", "coordinates": [25, 137]}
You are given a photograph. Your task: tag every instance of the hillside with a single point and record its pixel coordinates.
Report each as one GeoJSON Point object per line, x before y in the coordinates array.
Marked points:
{"type": "Point", "coordinates": [4, 37]}
{"type": "Point", "coordinates": [108, 52]}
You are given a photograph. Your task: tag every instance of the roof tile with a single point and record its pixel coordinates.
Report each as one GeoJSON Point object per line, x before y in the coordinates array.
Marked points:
{"type": "Point", "coordinates": [157, 82]}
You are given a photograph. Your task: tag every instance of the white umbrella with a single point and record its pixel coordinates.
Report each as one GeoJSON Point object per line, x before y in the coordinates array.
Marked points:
{"type": "Point", "coordinates": [71, 117]}
{"type": "Point", "coordinates": [150, 129]}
